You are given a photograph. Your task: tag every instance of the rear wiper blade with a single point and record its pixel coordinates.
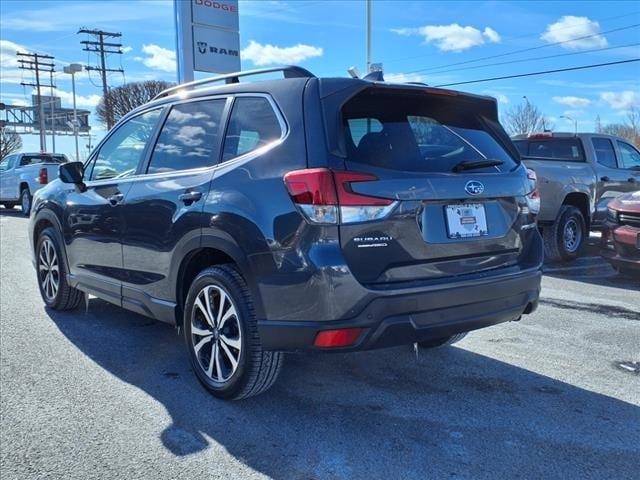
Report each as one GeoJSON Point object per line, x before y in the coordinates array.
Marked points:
{"type": "Point", "coordinates": [471, 165]}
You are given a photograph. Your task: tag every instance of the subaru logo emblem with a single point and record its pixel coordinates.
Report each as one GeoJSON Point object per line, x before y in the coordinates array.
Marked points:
{"type": "Point", "coordinates": [473, 187]}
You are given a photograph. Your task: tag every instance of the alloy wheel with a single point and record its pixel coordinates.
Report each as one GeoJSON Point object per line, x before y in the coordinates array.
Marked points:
{"type": "Point", "coordinates": [49, 270]}
{"type": "Point", "coordinates": [572, 235]}
{"type": "Point", "coordinates": [216, 336]}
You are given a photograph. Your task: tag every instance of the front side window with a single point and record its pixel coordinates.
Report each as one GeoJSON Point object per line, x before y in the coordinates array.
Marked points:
{"type": "Point", "coordinates": [630, 156]}
{"type": "Point", "coordinates": [120, 155]}
{"type": "Point", "coordinates": [252, 124]}
{"type": "Point", "coordinates": [605, 154]}
{"type": "Point", "coordinates": [189, 138]}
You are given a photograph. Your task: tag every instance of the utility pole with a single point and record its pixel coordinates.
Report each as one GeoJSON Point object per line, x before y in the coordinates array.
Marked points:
{"type": "Point", "coordinates": [33, 62]}
{"type": "Point", "coordinates": [103, 48]}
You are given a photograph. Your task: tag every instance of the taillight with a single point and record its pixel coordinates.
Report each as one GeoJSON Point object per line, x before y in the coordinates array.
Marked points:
{"type": "Point", "coordinates": [533, 197]}
{"type": "Point", "coordinates": [325, 196]}
{"type": "Point", "coordinates": [43, 176]}
{"type": "Point", "coordinates": [343, 337]}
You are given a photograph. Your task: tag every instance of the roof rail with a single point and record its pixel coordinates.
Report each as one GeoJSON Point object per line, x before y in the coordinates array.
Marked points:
{"type": "Point", "coordinates": [289, 71]}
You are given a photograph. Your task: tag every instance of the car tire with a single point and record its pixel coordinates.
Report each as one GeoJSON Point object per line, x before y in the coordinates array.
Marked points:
{"type": "Point", "coordinates": [443, 341]}
{"type": "Point", "coordinates": [25, 201]}
{"type": "Point", "coordinates": [565, 238]}
{"type": "Point", "coordinates": [221, 335]}
{"type": "Point", "coordinates": [52, 274]}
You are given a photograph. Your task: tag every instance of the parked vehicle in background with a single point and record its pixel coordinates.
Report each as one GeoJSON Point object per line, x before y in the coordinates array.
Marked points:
{"type": "Point", "coordinates": [303, 213]}
{"type": "Point", "coordinates": [578, 174]}
{"type": "Point", "coordinates": [22, 174]}
{"type": "Point", "coordinates": [621, 234]}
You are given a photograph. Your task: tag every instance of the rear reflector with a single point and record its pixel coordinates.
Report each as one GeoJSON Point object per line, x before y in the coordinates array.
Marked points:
{"type": "Point", "coordinates": [343, 337]}
{"type": "Point", "coordinates": [43, 176]}
{"type": "Point", "coordinates": [326, 196]}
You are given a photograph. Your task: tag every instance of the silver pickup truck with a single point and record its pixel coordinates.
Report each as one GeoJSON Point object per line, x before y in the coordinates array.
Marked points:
{"type": "Point", "coordinates": [578, 174]}
{"type": "Point", "coordinates": [21, 174]}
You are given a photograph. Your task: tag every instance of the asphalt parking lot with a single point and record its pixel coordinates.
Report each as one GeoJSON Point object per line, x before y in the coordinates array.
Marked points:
{"type": "Point", "coordinates": [109, 394]}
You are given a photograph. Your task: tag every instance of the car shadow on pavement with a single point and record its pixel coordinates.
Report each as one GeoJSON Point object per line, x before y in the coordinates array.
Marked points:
{"type": "Point", "coordinates": [382, 414]}
{"type": "Point", "coordinates": [12, 212]}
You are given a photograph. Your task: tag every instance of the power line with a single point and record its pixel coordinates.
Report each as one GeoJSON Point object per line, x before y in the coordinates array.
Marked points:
{"type": "Point", "coordinates": [491, 57]}
{"type": "Point", "coordinates": [531, 74]}
{"type": "Point", "coordinates": [525, 36]}
{"type": "Point", "coordinates": [103, 48]}
{"type": "Point", "coordinates": [531, 59]}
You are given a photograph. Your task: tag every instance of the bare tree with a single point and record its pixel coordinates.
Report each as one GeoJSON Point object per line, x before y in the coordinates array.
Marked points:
{"type": "Point", "coordinates": [525, 118]}
{"type": "Point", "coordinates": [125, 98]}
{"type": "Point", "coordinates": [9, 142]}
{"type": "Point", "coordinates": [630, 129]}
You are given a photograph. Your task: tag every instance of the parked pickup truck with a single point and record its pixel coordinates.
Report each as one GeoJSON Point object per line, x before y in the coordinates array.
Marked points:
{"type": "Point", "coordinates": [578, 174]}
{"type": "Point", "coordinates": [21, 174]}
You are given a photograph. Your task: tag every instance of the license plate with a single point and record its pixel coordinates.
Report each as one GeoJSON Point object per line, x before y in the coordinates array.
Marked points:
{"type": "Point", "coordinates": [466, 220]}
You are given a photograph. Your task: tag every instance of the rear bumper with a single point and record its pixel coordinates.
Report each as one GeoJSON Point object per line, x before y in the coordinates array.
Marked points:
{"type": "Point", "coordinates": [398, 319]}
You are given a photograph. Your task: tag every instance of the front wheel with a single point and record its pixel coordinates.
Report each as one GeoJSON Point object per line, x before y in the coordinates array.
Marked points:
{"type": "Point", "coordinates": [222, 338]}
{"type": "Point", "coordinates": [564, 239]}
{"type": "Point", "coordinates": [52, 274]}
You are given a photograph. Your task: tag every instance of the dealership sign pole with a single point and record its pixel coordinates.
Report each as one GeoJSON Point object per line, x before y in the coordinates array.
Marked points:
{"type": "Point", "coordinates": [207, 37]}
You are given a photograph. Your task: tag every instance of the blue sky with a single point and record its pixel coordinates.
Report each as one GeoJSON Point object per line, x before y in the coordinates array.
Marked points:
{"type": "Point", "coordinates": [433, 42]}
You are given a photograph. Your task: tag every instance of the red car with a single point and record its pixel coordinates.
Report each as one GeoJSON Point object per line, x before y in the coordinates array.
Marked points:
{"type": "Point", "coordinates": [621, 235]}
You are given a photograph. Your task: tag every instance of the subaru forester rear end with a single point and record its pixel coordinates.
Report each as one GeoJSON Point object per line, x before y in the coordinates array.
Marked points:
{"type": "Point", "coordinates": [421, 218]}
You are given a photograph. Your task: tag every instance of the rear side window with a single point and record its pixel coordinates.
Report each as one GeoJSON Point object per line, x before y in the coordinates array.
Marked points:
{"type": "Point", "coordinates": [252, 124]}
{"type": "Point", "coordinates": [605, 154]}
{"type": "Point", "coordinates": [419, 133]}
{"type": "Point", "coordinates": [566, 149]}
{"type": "Point", "coordinates": [190, 137]}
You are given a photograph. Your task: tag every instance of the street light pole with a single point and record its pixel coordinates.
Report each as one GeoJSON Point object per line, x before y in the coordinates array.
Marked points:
{"type": "Point", "coordinates": [575, 123]}
{"type": "Point", "coordinates": [72, 70]}
{"type": "Point", "coordinates": [368, 37]}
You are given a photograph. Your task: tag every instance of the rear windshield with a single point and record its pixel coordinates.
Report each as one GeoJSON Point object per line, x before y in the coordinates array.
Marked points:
{"type": "Point", "coordinates": [420, 133]}
{"type": "Point", "coordinates": [34, 159]}
{"type": "Point", "coordinates": [565, 149]}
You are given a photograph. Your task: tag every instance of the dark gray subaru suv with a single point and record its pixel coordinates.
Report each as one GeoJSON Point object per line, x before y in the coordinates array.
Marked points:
{"type": "Point", "coordinates": [294, 214]}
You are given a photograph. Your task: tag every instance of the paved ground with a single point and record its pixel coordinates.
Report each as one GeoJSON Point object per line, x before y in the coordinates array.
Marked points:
{"type": "Point", "coordinates": [109, 394]}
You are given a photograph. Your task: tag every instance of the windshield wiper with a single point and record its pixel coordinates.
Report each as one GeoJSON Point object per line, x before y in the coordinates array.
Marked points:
{"type": "Point", "coordinates": [471, 165]}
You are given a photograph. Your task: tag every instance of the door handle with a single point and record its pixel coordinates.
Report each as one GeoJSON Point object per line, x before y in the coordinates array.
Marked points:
{"type": "Point", "coordinates": [116, 199]}
{"type": "Point", "coordinates": [605, 179]}
{"type": "Point", "coordinates": [189, 197]}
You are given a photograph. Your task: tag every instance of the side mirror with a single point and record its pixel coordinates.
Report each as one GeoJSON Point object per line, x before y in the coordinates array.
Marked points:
{"type": "Point", "coordinates": [73, 172]}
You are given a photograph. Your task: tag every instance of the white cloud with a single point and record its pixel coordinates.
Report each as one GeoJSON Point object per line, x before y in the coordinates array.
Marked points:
{"type": "Point", "coordinates": [575, 102]}
{"type": "Point", "coordinates": [89, 101]}
{"type": "Point", "coordinates": [621, 100]}
{"type": "Point", "coordinates": [126, 49]}
{"type": "Point", "coordinates": [491, 35]}
{"type": "Point", "coordinates": [403, 77]}
{"type": "Point", "coordinates": [159, 58]}
{"type": "Point", "coordinates": [501, 97]}
{"type": "Point", "coordinates": [452, 38]}
{"type": "Point", "coordinates": [572, 30]}
{"type": "Point", "coordinates": [269, 54]}
{"type": "Point", "coordinates": [9, 71]}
